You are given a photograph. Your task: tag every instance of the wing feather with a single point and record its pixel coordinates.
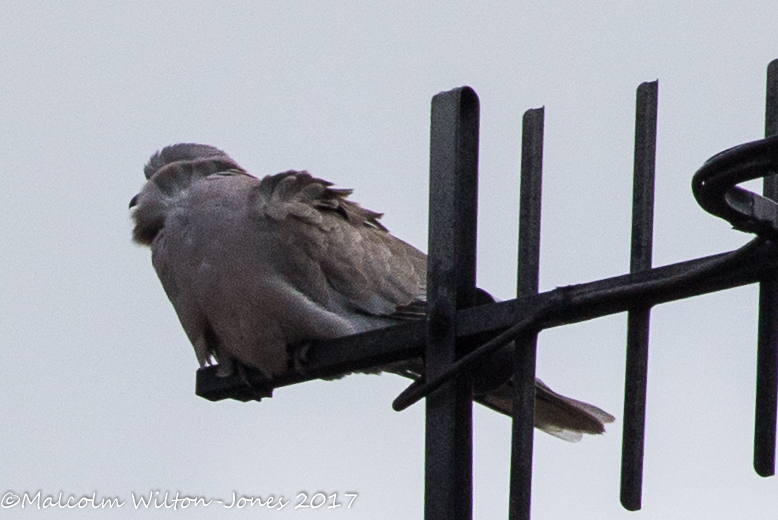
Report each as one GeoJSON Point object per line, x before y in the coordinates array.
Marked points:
{"type": "Point", "coordinates": [367, 269]}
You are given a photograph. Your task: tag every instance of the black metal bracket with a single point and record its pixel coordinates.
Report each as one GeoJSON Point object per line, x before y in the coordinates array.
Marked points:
{"type": "Point", "coordinates": [715, 187]}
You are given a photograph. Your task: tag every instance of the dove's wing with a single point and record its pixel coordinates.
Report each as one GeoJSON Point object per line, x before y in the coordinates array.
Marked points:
{"type": "Point", "coordinates": [338, 253]}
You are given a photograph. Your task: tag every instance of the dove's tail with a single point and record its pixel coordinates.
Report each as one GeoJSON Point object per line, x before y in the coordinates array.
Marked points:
{"type": "Point", "coordinates": [555, 414]}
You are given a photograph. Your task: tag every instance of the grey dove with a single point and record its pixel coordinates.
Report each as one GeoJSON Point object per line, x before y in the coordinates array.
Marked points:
{"type": "Point", "coordinates": [254, 266]}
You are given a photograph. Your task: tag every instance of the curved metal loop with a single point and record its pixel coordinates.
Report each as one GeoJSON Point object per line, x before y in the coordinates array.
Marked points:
{"type": "Point", "coordinates": [714, 187]}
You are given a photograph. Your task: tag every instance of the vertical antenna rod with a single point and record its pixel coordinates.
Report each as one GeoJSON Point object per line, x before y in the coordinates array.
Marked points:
{"type": "Point", "coordinates": [766, 358]}
{"type": "Point", "coordinates": [450, 286]}
{"type": "Point", "coordinates": [526, 346]}
{"type": "Point", "coordinates": [632, 446]}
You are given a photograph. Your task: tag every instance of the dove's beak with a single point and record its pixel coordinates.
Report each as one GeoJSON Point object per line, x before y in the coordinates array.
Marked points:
{"type": "Point", "coordinates": [134, 201]}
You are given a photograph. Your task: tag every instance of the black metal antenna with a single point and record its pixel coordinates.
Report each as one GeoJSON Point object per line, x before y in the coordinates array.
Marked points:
{"type": "Point", "coordinates": [445, 340]}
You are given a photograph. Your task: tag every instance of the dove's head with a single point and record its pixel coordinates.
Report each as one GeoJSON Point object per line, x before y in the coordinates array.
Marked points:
{"type": "Point", "coordinates": [170, 172]}
{"type": "Point", "coordinates": [187, 152]}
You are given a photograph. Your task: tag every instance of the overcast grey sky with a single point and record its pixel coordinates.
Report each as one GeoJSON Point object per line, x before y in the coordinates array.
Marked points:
{"type": "Point", "coordinates": [97, 378]}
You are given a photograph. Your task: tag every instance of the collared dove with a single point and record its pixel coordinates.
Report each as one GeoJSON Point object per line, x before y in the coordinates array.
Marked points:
{"type": "Point", "coordinates": [253, 267]}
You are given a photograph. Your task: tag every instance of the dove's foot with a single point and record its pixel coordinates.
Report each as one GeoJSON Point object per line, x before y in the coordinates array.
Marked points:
{"type": "Point", "coordinates": [233, 380]}
{"type": "Point", "coordinates": [297, 357]}
{"type": "Point", "coordinates": [256, 384]}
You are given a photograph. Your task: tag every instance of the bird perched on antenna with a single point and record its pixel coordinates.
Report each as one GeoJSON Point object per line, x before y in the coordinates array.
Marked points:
{"type": "Point", "coordinates": [254, 267]}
